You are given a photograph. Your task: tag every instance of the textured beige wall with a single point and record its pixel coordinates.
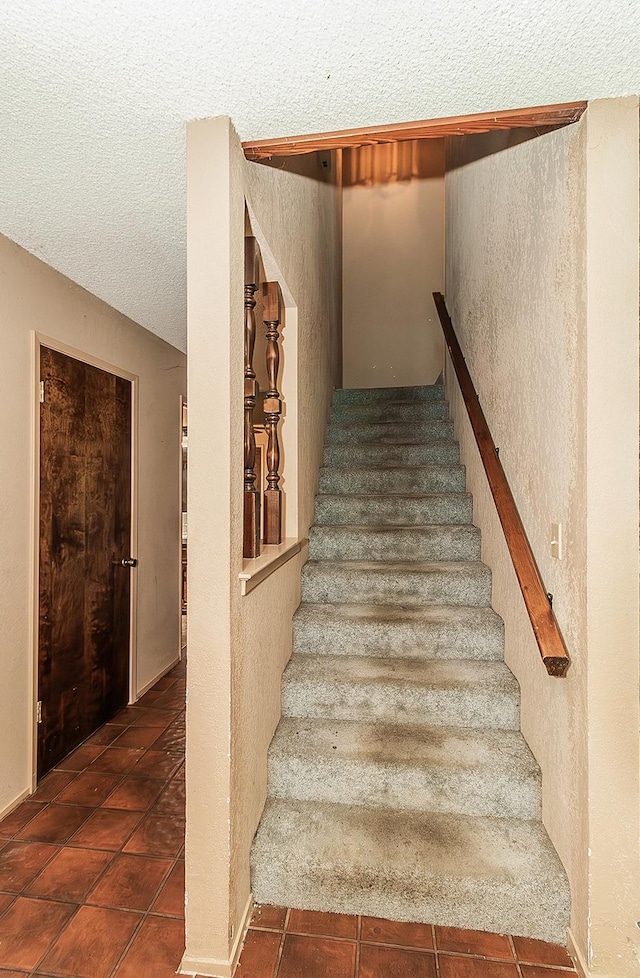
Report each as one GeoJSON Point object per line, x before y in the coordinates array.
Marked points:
{"type": "Point", "coordinates": [613, 692]}
{"type": "Point", "coordinates": [528, 249]}
{"type": "Point", "coordinates": [515, 291]}
{"type": "Point", "coordinates": [214, 266]}
{"type": "Point", "coordinates": [297, 222]}
{"type": "Point", "coordinates": [393, 259]}
{"type": "Point", "coordinates": [36, 298]}
{"type": "Point", "coordinates": [238, 646]}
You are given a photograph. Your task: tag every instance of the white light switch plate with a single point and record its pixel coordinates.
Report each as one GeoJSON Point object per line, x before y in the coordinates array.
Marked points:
{"type": "Point", "coordinates": [556, 540]}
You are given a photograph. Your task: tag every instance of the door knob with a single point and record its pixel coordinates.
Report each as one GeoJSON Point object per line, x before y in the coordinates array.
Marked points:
{"type": "Point", "coordinates": [129, 562]}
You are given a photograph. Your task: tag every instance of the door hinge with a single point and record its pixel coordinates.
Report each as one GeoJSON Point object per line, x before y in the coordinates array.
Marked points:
{"type": "Point", "coordinates": [39, 711]}
{"type": "Point", "coordinates": [42, 391]}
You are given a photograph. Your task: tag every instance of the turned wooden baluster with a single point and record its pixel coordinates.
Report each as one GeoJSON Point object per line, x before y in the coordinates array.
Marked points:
{"type": "Point", "coordinates": [251, 529]}
{"type": "Point", "coordinates": [272, 411]}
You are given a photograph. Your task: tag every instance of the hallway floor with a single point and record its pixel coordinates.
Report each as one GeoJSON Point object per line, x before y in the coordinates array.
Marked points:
{"type": "Point", "coordinates": [92, 864]}
{"type": "Point", "coordinates": [92, 881]}
{"type": "Point", "coordinates": [303, 944]}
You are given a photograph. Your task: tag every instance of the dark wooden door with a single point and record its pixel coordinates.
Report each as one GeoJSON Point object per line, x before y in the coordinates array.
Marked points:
{"type": "Point", "coordinates": [85, 531]}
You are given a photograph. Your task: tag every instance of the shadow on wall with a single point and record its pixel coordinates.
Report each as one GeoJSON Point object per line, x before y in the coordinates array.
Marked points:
{"type": "Point", "coordinates": [394, 162]}
{"type": "Point", "coordinates": [462, 150]}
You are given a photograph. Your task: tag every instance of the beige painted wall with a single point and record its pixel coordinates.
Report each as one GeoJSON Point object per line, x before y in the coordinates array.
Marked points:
{"type": "Point", "coordinates": [542, 286]}
{"type": "Point", "coordinates": [238, 646]}
{"type": "Point", "coordinates": [393, 259]}
{"type": "Point", "coordinates": [36, 298]}
{"type": "Point", "coordinates": [613, 691]}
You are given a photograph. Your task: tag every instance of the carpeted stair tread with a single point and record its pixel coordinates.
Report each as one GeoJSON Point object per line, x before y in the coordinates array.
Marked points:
{"type": "Point", "coordinates": [389, 432]}
{"type": "Point", "coordinates": [431, 410]}
{"type": "Point", "coordinates": [454, 870]}
{"type": "Point", "coordinates": [438, 769]}
{"type": "Point", "coordinates": [370, 509]}
{"type": "Point", "coordinates": [429, 692]}
{"type": "Point", "coordinates": [392, 479]}
{"type": "Point", "coordinates": [430, 632]}
{"type": "Point", "coordinates": [454, 582]}
{"type": "Point", "coordinates": [379, 455]}
{"type": "Point", "coordinates": [367, 395]}
{"type": "Point", "coordinates": [349, 542]}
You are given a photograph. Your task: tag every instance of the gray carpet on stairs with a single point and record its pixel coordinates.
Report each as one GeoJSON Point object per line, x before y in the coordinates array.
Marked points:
{"type": "Point", "coordinates": [399, 783]}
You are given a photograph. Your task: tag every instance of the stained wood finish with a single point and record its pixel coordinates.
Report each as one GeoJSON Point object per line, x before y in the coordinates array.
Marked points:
{"type": "Point", "coordinates": [85, 531]}
{"type": "Point", "coordinates": [547, 115]}
{"type": "Point", "coordinates": [184, 507]}
{"type": "Point", "coordinates": [251, 527]}
{"type": "Point", "coordinates": [272, 412]}
{"type": "Point", "coordinates": [543, 621]}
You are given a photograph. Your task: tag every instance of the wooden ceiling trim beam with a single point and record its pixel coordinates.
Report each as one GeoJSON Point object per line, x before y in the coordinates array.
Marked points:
{"type": "Point", "coordinates": [546, 115]}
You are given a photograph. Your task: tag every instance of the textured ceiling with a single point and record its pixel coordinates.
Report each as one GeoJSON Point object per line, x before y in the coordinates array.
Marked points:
{"type": "Point", "coordinates": [95, 94]}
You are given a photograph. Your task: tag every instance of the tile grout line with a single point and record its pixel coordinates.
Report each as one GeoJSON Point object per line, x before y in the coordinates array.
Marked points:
{"type": "Point", "coordinates": [358, 943]}
{"type": "Point", "coordinates": [281, 945]}
{"type": "Point", "coordinates": [57, 937]}
{"type": "Point", "coordinates": [480, 957]}
{"type": "Point", "coordinates": [127, 947]}
{"type": "Point", "coordinates": [435, 951]}
{"type": "Point", "coordinates": [515, 956]}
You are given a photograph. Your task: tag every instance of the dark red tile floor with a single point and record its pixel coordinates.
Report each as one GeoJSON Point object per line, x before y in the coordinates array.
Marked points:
{"type": "Point", "coordinates": [92, 865]}
{"type": "Point", "coordinates": [303, 944]}
{"type": "Point", "coordinates": [92, 881]}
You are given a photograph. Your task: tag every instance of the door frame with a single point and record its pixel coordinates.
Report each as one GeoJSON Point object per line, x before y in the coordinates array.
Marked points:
{"type": "Point", "coordinates": [38, 340]}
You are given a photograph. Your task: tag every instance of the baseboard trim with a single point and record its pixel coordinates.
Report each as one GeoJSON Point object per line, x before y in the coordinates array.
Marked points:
{"type": "Point", "coordinates": [152, 682]}
{"type": "Point", "coordinates": [215, 967]}
{"type": "Point", "coordinates": [576, 954]}
{"type": "Point", "coordinates": [16, 801]}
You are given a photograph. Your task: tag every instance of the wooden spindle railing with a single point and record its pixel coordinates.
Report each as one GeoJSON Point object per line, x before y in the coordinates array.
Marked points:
{"type": "Point", "coordinates": [272, 412]}
{"type": "Point", "coordinates": [251, 528]}
{"type": "Point", "coordinates": [537, 601]}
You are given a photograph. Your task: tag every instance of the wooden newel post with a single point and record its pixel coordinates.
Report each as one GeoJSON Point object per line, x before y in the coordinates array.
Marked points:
{"type": "Point", "coordinates": [272, 411]}
{"type": "Point", "coordinates": [251, 529]}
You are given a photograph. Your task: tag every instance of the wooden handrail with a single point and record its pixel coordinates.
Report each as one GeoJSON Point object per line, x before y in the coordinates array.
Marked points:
{"type": "Point", "coordinates": [543, 621]}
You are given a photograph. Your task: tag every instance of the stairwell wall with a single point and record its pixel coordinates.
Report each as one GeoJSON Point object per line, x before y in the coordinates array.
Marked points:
{"type": "Point", "coordinates": [238, 646]}
{"type": "Point", "coordinates": [393, 259]}
{"type": "Point", "coordinates": [542, 286]}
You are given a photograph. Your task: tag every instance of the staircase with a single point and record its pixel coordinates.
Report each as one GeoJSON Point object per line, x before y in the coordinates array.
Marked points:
{"type": "Point", "coordinates": [399, 783]}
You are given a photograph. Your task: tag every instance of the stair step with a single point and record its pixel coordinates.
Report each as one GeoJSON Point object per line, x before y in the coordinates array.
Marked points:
{"type": "Point", "coordinates": [453, 870]}
{"type": "Point", "coordinates": [459, 542]}
{"type": "Point", "coordinates": [399, 783]}
{"type": "Point", "coordinates": [454, 582]}
{"type": "Point", "coordinates": [365, 395]}
{"type": "Point", "coordinates": [394, 510]}
{"type": "Point", "coordinates": [431, 769]}
{"type": "Point", "coordinates": [380, 456]}
{"type": "Point", "coordinates": [408, 479]}
{"type": "Point", "coordinates": [447, 692]}
{"type": "Point", "coordinates": [389, 432]}
{"type": "Point", "coordinates": [390, 411]}
{"type": "Point", "coordinates": [450, 632]}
